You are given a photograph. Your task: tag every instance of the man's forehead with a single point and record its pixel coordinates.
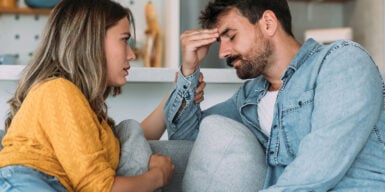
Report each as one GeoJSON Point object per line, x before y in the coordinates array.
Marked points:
{"type": "Point", "coordinates": [228, 20]}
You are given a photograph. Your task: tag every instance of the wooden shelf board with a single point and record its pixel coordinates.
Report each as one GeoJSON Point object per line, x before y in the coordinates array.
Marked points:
{"type": "Point", "coordinates": [29, 11]}
{"type": "Point", "coordinates": [330, 1]}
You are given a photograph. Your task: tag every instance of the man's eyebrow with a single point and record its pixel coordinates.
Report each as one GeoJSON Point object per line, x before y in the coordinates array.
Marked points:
{"type": "Point", "coordinates": [223, 33]}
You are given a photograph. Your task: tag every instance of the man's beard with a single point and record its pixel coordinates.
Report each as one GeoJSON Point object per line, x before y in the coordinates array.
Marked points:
{"type": "Point", "coordinates": [253, 67]}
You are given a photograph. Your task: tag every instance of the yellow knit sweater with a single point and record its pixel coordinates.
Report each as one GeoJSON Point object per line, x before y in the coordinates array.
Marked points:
{"type": "Point", "coordinates": [56, 131]}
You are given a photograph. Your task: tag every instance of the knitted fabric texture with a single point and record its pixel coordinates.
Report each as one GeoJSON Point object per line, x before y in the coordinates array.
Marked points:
{"type": "Point", "coordinates": [56, 131]}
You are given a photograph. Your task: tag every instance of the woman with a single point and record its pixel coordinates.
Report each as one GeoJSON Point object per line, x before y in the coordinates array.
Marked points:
{"type": "Point", "coordinates": [59, 136]}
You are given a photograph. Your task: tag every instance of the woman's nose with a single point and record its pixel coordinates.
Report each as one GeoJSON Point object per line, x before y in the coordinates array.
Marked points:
{"type": "Point", "coordinates": [130, 54]}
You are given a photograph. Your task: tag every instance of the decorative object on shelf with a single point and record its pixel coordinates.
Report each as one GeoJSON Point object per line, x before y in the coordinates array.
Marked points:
{"type": "Point", "coordinates": [326, 36]}
{"type": "Point", "coordinates": [41, 4]}
{"type": "Point", "coordinates": [8, 59]}
{"type": "Point", "coordinates": [331, 1]}
{"type": "Point", "coordinates": [153, 48]}
{"type": "Point", "coordinates": [8, 4]}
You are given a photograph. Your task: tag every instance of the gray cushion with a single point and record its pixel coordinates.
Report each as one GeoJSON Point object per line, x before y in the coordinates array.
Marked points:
{"type": "Point", "coordinates": [179, 151]}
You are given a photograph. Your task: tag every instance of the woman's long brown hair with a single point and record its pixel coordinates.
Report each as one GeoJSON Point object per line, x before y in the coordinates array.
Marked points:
{"type": "Point", "coordinates": [72, 47]}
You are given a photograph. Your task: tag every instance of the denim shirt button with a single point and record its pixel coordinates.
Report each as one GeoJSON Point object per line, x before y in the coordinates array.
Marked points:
{"type": "Point", "coordinates": [271, 152]}
{"type": "Point", "coordinates": [184, 86]}
{"type": "Point", "coordinates": [275, 126]}
{"type": "Point", "coordinates": [187, 97]}
{"type": "Point", "coordinates": [300, 103]}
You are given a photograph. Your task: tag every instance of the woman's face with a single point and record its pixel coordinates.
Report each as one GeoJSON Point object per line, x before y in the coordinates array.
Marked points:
{"type": "Point", "coordinates": [118, 53]}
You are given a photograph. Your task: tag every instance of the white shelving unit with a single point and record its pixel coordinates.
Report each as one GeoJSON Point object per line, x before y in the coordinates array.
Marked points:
{"type": "Point", "coordinates": [10, 72]}
{"type": "Point", "coordinates": [142, 74]}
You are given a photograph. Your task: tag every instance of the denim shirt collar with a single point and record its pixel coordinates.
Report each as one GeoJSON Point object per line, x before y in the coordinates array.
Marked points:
{"type": "Point", "coordinates": [261, 84]}
{"type": "Point", "coordinates": [307, 49]}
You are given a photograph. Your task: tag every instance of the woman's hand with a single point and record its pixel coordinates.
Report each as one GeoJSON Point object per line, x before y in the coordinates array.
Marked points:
{"type": "Point", "coordinates": [165, 167]}
{"type": "Point", "coordinates": [199, 91]}
{"type": "Point", "coordinates": [158, 175]}
{"type": "Point", "coordinates": [154, 125]}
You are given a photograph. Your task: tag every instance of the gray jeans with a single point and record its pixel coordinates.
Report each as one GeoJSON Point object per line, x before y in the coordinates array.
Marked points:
{"type": "Point", "coordinates": [136, 152]}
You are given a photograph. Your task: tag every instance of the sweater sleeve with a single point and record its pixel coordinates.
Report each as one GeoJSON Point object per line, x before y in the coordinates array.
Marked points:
{"type": "Point", "coordinates": [75, 134]}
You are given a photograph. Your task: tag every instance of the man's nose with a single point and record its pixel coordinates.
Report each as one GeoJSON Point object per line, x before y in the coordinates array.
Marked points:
{"type": "Point", "coordinates": [224, 50]}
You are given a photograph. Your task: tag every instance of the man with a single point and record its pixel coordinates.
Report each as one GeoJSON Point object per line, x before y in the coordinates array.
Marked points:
{"type": "Point", "coordinates": [316, 110]}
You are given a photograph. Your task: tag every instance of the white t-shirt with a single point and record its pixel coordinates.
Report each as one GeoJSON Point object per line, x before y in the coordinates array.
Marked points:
{"type": "Point", "coordinates": [266, 111]}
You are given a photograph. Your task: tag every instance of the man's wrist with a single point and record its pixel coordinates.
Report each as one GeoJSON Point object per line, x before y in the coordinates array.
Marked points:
{"type": "Point", "coordinates": [187, 72]}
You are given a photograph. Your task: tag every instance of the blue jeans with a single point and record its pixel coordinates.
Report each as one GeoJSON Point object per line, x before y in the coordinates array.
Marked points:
{"type": "Point", "coordinates": [21, 178]}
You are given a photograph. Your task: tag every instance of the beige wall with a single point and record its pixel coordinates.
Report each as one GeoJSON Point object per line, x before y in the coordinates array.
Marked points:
{"type": "Point", "coordinates": [366, 17]}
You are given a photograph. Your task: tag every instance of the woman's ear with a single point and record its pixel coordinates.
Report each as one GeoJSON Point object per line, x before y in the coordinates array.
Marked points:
{"type": "Point", "coordinates": [269, 23]}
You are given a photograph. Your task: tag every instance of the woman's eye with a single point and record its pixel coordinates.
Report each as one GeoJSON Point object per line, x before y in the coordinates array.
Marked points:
{"type": "Point", "coordinates": [126, 39]}
{"type": "Point", "coordinates": [232, 37]}
{"type": "Point", "coordinates": [131, 42]}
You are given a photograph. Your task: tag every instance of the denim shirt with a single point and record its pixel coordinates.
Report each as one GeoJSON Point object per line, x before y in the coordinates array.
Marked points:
{"type": "Point", "coordinates": [328, 124]}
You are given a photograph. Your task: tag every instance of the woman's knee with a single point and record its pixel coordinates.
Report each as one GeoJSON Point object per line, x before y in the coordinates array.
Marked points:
{"type": "Point", "coordinates": [135, 152]}
{"type": "Point", "coordinates": [128, 127]}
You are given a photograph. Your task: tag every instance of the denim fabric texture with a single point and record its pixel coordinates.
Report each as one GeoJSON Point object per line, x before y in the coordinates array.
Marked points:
{"type": "Point", "coordinates": [328, 131]}
{"type": "Point", "coordinates": [18, 178]}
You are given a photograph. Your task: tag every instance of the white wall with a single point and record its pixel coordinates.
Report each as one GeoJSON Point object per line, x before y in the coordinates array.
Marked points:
{"type": "Point", "coordinates": [365, 17]}
{"type": "Point", "coordinates": [315, 15]}
{"type": "Point", "coordinates": [137, 99]}
{"type": "Point", "coordinates": [6, 90]}
{"type": "Point", "coordinates": [20, 34]}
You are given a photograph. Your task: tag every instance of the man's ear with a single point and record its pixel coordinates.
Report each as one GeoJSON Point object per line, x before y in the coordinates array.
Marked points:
{"type": "Point", "coordinates": [268, 23]}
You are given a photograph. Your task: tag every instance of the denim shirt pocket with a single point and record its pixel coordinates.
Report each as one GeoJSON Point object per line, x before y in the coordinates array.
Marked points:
{"type": "Point", "coordinates": [296, 120]}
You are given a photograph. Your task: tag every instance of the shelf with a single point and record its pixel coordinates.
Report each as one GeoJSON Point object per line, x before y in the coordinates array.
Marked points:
{"type": "Point", "coordinates": [144, 74]}
{"type": "Point", "coordinates": [331, 1]}
{"type": "Point", "coordinates": [27, 11]}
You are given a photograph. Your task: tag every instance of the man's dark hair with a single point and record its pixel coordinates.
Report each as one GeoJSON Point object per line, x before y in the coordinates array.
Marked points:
{"type": "Point", "coordinates": [251, 9]}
